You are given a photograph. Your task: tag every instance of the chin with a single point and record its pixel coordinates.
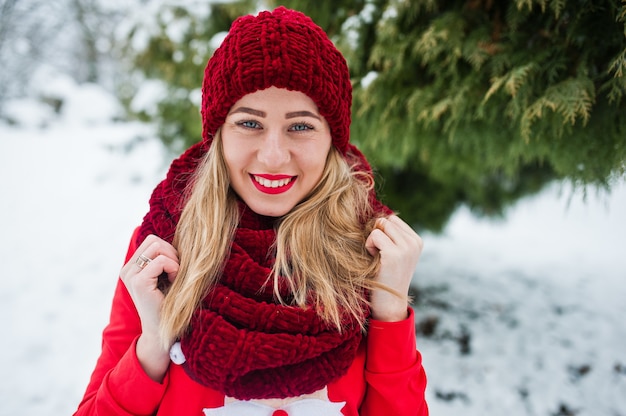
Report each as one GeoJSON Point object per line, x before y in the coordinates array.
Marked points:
{"type": "Point", "coordinates": [270, 211]}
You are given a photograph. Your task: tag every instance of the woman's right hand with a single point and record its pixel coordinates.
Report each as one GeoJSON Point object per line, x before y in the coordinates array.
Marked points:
{"type": "Point", "coordinates": [142, 285]}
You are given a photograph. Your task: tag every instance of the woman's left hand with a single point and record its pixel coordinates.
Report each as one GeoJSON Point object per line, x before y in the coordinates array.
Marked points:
{"type": "Point", "coordinates": [400, 248]}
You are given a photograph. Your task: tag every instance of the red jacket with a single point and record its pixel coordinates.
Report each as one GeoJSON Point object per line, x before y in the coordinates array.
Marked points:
{"type": "Point", "coordinates": [386, 377]}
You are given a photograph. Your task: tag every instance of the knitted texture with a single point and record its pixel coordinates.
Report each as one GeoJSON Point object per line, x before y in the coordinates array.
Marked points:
{"type": "Point", "coordinates": [285, 49]}
{"type": "Point", "coordinates": [249, 347]}
{"type": "Point", "coordinates": [241, 342]}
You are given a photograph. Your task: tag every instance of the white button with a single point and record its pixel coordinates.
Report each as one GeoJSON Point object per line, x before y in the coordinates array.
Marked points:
{"type": "Point", "coordinates": [176, 354]}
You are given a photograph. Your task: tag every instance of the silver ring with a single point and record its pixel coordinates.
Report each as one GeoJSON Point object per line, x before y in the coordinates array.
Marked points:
{"type": "Point", "coordinates": [142, 261]}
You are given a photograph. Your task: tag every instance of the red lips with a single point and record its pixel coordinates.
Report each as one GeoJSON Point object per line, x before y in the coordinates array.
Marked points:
{"type": "Point", "coordinates": [273, 184]}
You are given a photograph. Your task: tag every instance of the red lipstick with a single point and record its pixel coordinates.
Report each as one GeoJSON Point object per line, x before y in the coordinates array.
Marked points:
{"type": "Point", "coordinates": [273, 184]}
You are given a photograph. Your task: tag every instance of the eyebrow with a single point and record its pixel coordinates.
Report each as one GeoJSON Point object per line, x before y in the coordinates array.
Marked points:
{"type": "Point", "coordinates": [263, 114]}
{"type": "Point", "coordinates": [302, 114]}
{"type": "Point", "coordinates": [249, 110]}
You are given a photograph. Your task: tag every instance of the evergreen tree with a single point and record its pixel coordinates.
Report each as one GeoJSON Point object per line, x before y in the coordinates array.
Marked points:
{"type": "Point", "coordinates": [475, 101]}
{"type": "Point", "coordinates": [180, 41]}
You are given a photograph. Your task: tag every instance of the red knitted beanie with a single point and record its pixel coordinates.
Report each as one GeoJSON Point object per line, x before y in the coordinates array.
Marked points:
{"type": "Point", "coordinates": [284, 49]}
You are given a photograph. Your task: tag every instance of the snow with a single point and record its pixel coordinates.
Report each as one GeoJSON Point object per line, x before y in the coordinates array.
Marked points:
{"type": "Point", "coordinates": [537, 301]}
{"type": "Point", "coordinates": [367, 80]}
{"type": "Point", "coordinates": [150, 93]}
{"type": "Point", "coordinates": [522, 316]}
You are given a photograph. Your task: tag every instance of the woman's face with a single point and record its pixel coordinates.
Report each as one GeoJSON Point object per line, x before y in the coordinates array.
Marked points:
{"type": "Point", "coordinates": [275, 145]}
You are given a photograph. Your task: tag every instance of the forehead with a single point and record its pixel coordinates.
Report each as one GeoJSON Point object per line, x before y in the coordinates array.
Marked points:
{"type": "Point", "coordinates": [278, 99]}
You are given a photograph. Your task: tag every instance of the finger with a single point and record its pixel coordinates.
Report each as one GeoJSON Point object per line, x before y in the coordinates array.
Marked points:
{"type": "Point", "coordinates": [401, 232]}
{"type": "Point", "coordinates": [162, 264]}
{"type": "Point", "coordinates": [151, 259]}
{"type": "Point", "coordinates": [162, 247]}
{"type": "Point", "coordinates": [401, 224]}
{"type": "Point", "coordinates": [370, 244]}
{"type": "Point", "coordinates": [377, 241]}
{"type": "Point", "coordinates": [391, 229]}
{"type": "Point", "coordinates": [151, 248]}
{"type": "Point", "coordinates": [147, 242]}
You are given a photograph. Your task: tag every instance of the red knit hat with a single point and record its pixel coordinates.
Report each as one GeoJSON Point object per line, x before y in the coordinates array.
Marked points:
{"type": "Point", "coordinates": [285, 49]}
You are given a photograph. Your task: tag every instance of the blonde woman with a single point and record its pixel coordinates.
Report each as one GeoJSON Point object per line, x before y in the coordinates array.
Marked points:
{"type": "Point", "coordinates": [266, 279]}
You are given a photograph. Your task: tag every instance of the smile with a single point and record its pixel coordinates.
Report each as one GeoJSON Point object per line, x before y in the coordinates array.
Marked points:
{"type": "Point", "coordinates": [273, 184]}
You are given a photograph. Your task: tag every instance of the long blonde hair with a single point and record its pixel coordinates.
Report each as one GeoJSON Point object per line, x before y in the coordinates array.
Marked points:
{"type": "Point", "coordinates": [320, 244]}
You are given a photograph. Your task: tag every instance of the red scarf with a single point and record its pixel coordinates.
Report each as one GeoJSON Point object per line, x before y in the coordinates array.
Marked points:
{"type": "Point", "coordinates": [241, 342]}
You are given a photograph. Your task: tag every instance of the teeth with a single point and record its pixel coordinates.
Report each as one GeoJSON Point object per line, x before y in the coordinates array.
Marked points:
{"type": "Point", "coordinates": [272, 184]}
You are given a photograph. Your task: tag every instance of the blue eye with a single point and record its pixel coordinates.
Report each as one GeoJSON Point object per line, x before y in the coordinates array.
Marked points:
{"type": "Point", "coordinates": [301, 127]}
{"type": "Point", "coordinates": [249, 124]}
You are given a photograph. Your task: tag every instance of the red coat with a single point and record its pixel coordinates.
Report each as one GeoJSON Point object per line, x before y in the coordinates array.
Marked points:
{"type": "Point", "coordinates": [386, 377]}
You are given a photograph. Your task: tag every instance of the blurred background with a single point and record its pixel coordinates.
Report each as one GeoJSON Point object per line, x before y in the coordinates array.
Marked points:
{"type": "Point", "coordinates": [496, 128]}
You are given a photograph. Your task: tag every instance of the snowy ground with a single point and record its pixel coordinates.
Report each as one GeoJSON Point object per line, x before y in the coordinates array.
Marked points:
{"type": "Point", "coordinates": [528, 315]}
{"type": "Point", "coordinates": [518, 317]}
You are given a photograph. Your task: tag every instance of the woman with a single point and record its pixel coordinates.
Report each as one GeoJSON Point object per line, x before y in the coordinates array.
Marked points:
{"type": "Point", "coordinates": [266, 278]}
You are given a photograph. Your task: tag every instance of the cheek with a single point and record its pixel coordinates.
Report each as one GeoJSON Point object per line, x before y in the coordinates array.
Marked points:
{"type": "Point", "coordinates": [313, 168]}
{"type": "Point", "coordinates": [318, 160]}
{"type": "Point", "coordinates": [233, 159]}
{"type": "Point", "coordinates": [318, 166]}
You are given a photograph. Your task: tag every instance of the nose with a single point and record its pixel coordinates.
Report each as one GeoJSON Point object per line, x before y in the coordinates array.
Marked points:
{"type": "Point", "coordinates": [274, 151]}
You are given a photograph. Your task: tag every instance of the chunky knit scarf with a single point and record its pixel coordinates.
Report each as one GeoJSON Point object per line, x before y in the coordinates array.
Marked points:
{"type": "Point", "coordinates": [241, 342]}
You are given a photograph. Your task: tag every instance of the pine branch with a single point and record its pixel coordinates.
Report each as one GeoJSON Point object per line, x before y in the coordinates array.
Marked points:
{"type": "Point", "coordinates": [512, 81]}
{"type": "Point", "coordinates": [572, 99]}
{"type": "Point", "coordinates": [616, 85]}
{"type": "Point", "coordinates": [557, 6]}
{"type": "Point", "coordinates": [529, 3]}
{"type": "Point", "coordinates": [618, 65]}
